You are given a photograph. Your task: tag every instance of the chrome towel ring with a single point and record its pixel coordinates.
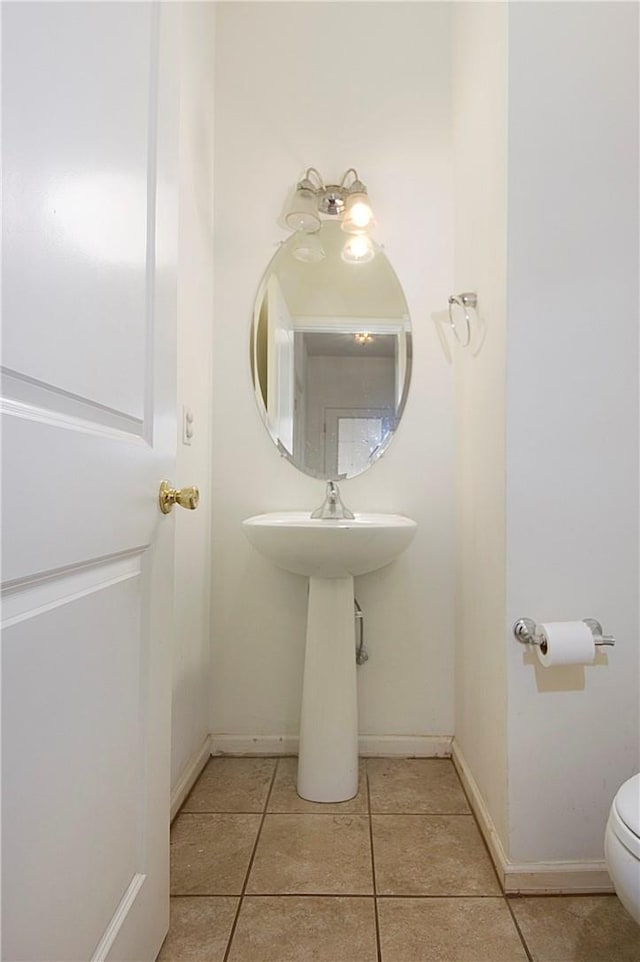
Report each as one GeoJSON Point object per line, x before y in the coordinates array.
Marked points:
{"type": "Point", "coordinates": [466, 301]}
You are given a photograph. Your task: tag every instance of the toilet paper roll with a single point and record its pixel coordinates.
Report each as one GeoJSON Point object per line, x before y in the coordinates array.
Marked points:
{"type": "Point", "coordinates": [566, 643]}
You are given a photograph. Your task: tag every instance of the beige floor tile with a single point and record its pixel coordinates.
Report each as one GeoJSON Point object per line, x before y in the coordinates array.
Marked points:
{"type": "Point", "coordinates": [313, 855]}
{"type": "Point", "coordinates": [232, 785]}
{"type": "Point", "coordinates": [431, 855]}
{"type": "Point", "coordinates": [199, 929]}
{"type": "Point", "coordinates": [448, 930]}
{"type": "Point", "coordinates": [577, 928]}
{"type": "Point", "coordinates": [210, 853]}
{"type": "Point", "coordinates": [284, 797]}
{"type": "Point", "coordinates": [416, 786]}
{"type": "Point", "coordinates": [292, 929]}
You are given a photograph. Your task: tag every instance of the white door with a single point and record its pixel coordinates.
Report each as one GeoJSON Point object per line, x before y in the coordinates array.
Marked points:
{"type": "Point", "coordinates": [89, 303]}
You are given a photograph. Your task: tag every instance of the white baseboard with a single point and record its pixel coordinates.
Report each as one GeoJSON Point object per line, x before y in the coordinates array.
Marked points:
{"type": "Point", "coordinates": [558, 878]}
{"type": "Point", "coordinates": [225, 744]}
{"type": "Point", "coordinates": [411, 746]}
{"type": "Point", "coordinates": [481, 812]}
{"type": "Point", "coordinates": [189, 775]}
{"type": "Point", "coordinates": [530, 878]}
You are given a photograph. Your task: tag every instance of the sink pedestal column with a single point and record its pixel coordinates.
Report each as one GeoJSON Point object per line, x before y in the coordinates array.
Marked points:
{"type": "Point", "coordinates": [328, 749]}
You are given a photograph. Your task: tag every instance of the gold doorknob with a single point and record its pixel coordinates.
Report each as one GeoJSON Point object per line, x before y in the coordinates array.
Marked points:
{"type": "Point", "coordinates": [185, 497]}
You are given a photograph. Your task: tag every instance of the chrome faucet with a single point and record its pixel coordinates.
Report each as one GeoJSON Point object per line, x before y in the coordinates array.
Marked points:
{"type": "Point", "coordinates": [332, 506]}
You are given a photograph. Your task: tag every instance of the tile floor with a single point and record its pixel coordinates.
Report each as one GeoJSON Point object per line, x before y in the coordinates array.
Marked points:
{"type": "Point", "coordinates": [398, 874]}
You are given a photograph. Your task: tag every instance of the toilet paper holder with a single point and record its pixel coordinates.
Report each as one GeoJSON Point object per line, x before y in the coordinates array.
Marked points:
{"type": "Point", "coordinates": [526, 631]}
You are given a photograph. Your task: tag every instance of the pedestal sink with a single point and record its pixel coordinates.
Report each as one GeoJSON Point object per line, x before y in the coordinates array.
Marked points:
{"type": "Point", "coordinates": [330, 553]}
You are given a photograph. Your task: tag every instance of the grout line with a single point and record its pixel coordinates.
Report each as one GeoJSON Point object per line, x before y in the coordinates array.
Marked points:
{"type": "Point", "coordinates": [333, 895]}
{"type": "Point", "coordinates": [373, 868]}
{"type": "Point", "coordinates": [518, 929]}
{"type": "Point", "coordinates": [424, 814]}
{"type": "Point", "coordinates": [495, 870]}
{"type": "Point", "coordinates": [217, 811]}
{"type": "Point", "coordinates": [332, 814]}
{"type": "Point", "coordinates": [250, 865]}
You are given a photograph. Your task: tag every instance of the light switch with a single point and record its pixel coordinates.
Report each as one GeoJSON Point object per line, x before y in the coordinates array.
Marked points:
{"type": "Point", "coordinates": [187, 425]}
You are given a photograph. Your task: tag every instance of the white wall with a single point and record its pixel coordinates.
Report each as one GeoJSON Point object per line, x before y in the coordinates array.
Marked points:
{"type": "Point", "coordinates": [190, 723]}
{"type": "Point", "coordinates": [548, 513]}
{"type": "Point", "coordinates": [480, 151]}
{"type": "Point", "coordinates": [333, 85]}
{"type": "Point", "coordinates": [572, 413]}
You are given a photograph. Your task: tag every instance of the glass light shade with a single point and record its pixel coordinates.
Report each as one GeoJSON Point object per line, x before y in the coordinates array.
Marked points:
{"type": "Point", "coordinates": [359, 249]}
{"type": "Point", "coordinates": [358, 215]}
{"type": "Point", "coordinates": [304, 214]}
{"type": "Point", "coordinates": [308, 249]}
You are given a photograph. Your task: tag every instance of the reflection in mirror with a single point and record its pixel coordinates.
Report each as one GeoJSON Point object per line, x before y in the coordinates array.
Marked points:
{"type": "Point", "coordinates": [330, 354]}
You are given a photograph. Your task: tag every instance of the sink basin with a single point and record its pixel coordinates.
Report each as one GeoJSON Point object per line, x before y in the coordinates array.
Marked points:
{"type": "Point", "coordinates": [330, 553]}
{"type": "Point", "coordinates": [329, 549]}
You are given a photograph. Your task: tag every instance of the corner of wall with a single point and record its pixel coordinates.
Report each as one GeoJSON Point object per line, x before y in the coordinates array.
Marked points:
{"type": "Point", "coordinates": [191, 653]}
{"type": "Point", "coordinates": [480, 51]}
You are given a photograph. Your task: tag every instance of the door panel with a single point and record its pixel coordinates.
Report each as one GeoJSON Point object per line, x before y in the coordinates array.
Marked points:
{"type": "Point", "coordinates": [86, 769]}
{"type": "Point", "coordinates": [74, 270]}
{"type": "Point", "coordinates": [88, 405]}
{"type": "Point", "coordinates": [75, 491]}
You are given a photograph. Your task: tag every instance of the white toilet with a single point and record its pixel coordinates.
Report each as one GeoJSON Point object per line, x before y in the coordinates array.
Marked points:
{"type": "Point", "coordinates": [622, 845]}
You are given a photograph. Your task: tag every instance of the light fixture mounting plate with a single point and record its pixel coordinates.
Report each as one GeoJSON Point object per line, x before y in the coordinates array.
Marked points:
{"type": "Point", "coordinates": [331, 200]}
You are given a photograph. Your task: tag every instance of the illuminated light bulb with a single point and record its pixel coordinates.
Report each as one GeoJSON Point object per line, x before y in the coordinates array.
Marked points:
{"type": "Point", "coordinates": [358, 215]}
{"type": "Point", "coordinates": [361, 214]}
{"type": "Point", "coordinates": [358, 250]}
{"type": "Point", "coordinates": [363, 337]}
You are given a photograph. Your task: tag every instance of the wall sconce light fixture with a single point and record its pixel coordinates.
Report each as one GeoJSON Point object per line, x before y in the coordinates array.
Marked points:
{"type": "Point", "coordinates": [347, 201]}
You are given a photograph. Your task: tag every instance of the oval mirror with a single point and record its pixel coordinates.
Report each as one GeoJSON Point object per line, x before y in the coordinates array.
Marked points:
{"type": "Point", "coordinates": [330, 352]}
